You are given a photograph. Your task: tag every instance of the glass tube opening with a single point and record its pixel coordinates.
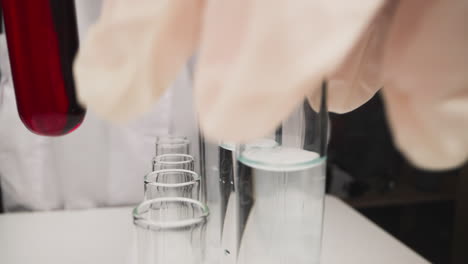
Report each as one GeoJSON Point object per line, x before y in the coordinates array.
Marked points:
{"type": "Point", "coordinates": [144, 215]}
{"type": "Point", "coordinates": [173, 140]}
{"type": "Point", "coordinates": [172, 145]}
{"type": "Point", "coordinates": [172, 178]}
{"type": "Point", "coordinates": [169, 138]}
{"type": "Point", "coordinates": [174, 159]}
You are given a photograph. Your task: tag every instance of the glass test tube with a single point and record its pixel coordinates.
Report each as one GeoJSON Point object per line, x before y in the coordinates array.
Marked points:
{"type": "Point", "coordinates": [173, 161]}
{"type": "Point", "coordinates": [172, 183]}
{"type": "Point", "coordinates": [170, 231]}
{"type": "Point", "coordinates": [42, 39]}
{"type": "Point", "coordinates": [172, 145]}
{"type": "Point", "coordinates": [280, 190]}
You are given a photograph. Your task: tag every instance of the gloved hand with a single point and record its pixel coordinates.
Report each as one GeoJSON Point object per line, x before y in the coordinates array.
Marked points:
{"type": "Point", "coordinates": [134, 53]}
{"type": "Point", "coordinates": [425, 70]}
{"type": "Point", "coordinates": [259, 58]}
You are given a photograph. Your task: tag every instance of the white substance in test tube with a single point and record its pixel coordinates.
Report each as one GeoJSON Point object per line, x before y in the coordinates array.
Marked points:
{"type": "Point", "coordinates": [279, 158]}
{"type": "Point", "coordinates": [284, 225]}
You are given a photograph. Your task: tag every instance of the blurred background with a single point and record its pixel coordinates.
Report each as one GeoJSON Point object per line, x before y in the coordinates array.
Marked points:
{"type": "Point", "coordinates": [425, 210]}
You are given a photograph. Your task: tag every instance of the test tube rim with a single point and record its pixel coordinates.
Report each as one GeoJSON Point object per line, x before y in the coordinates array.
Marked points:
{"type": "Point", "coordinates": [143, 222]}
{"type": "Point", "coordinates": [195, 179]}
{"type": "Point", "coordinates": [172, 139]}
{"type": "Point", "coordinates": [158, 158]}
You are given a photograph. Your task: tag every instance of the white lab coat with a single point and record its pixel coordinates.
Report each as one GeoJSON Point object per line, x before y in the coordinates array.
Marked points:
{"type": "Point", "coordinates": [99, 164]}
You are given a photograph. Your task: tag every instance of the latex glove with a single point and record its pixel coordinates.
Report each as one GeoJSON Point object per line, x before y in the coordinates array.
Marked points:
{"type": "Point", "coordinates": [259, 58]}
{"type": "Point", "coordinates": [416, 49]}
{"type": "Point", "coordinates": [276, 52]}
{"type": "Point", "coordinates": [135, 50]}
{"type": "Point", "coordinates": [360, 75]}
{"type": "Point", "coordinates": [426, 74]}
{"type": "Point", "coordinates": [133, 53]}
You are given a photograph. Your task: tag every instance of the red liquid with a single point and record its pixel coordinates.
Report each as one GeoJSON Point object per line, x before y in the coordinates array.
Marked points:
{"type": "Point", "coordinates": [42, 41]}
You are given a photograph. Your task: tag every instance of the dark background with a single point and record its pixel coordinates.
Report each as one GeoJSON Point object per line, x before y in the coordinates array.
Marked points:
{"type": "Point", "coordinates": [425, 210]}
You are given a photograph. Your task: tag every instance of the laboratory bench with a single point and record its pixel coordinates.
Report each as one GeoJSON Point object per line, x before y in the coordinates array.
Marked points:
{"type": "Point", "coordinates": [105, 236]}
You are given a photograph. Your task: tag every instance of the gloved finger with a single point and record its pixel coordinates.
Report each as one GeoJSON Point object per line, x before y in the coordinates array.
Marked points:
{"type": "Point", "coordinates": [133, 53]}
{"type": "Point", "coordinates": [271, 54]}
{"type": "Point", "coordinates": [426, 65]}
{"type": "Point", "coordinates": [359, 76]}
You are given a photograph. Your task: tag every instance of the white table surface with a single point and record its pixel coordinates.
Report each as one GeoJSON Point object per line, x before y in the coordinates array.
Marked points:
{"type": "Point", "coordinates": [105, 236]}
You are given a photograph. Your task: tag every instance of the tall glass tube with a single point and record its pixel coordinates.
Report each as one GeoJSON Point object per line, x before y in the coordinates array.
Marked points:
{"type": "Point", "coordinates": [218, 167]}
{"type": "Point", "coordinates": [170, 230]}
{"type": "Point", "coordinates": [227, 164]}
{"type": "Point", "coordinates": [213, 195]}
{"type": "Point", "coordinates": [227, 220]}
{"type": "Point", "coordinates": [42, 39]}
{"type": "Point", "coordinates": [280, 190]}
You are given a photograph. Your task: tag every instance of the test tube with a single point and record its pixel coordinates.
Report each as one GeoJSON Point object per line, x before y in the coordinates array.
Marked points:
{"type": "Point", "coordinates": [172, 145]}
{"type": "Point", "coordinates": [280, 189]}
{"type": "Point", "coordinates": [172, 183]}
{"type": "Point", "coordinates": [173, 161]}
{"type": "Point", "coordinates": [42, 38]}
{"type": "Point", "coordinates": [170, 230]}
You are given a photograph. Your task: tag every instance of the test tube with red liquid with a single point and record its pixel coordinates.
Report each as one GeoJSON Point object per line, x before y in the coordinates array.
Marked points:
{"type": "Point", "coordinates": [42, 38]}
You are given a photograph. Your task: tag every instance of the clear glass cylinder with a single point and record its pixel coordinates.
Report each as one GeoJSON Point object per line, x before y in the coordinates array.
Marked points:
{"type": "Point", "coordinates": [170, 144]}
{"type": "Point", "coordinates": [172, 183]}
{"type": "Point", "coordinates": [216, 191]}
{"type": "Point", "coordinates": [218, 165]}
{"type": "Point", "coordinates": [170, 230]}
{"type": "Point", "coordinates": [173, 161]}
{"type": "Point", "coordinates": [279, 187]}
